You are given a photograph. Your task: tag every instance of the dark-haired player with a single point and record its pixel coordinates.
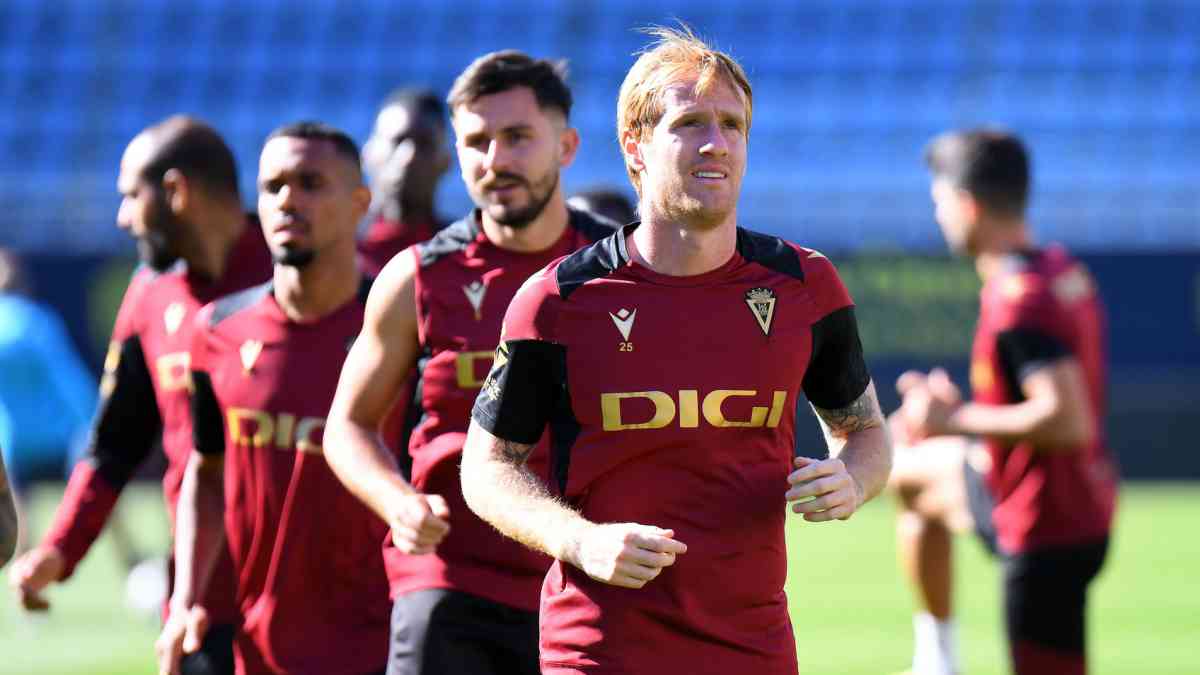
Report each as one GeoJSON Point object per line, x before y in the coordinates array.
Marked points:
{"type": "Point", "coordinates": [180, 201]}
{"type": "Point", "coordinates": [311, 586]}
{"type": "Point", "coordinates": [1042, 489]}
{"type": "Point", "coordinates": [406, 157]}
{"type": "Point", "coordinates": [465, 597]}
{"type": "Point", "coordinates": [666, 361]}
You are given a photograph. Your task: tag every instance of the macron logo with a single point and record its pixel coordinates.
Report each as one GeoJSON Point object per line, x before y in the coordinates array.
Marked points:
{"type": "Point", "coordinates": [624, 320]}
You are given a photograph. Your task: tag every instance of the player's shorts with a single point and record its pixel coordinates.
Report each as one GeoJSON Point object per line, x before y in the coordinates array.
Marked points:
{"type": "Point", "coordinates": [980, 503]}
{"type": "Point", "coordinates": [1045, 598]}
{"type": "Point", "coordinates": [445, 631]}
{"type": "Point", "coordinates": [215, 656]}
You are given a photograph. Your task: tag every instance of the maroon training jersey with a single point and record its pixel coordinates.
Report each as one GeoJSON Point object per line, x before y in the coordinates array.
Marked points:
{"type": "Point", "coordinates": [144, 398]}
{"type": "Point", "coordinates": [464, 283]}
{"type": "Point", "coordinates": [1041, 307]}
{"type": "Point", "coordinates": [311, 584]}
{"type": "Point", "coordinates": [671, 402]}
{"type": "Point", "coordinates": [385, 238]}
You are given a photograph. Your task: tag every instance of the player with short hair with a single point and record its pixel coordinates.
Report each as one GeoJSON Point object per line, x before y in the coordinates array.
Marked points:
{"type": "Point", "coordinates": [180, 201]}
{"type": "Point", "coordinates": [1041, 490]}
{"type": "Point", "coordinates": [667, 361]}
{"type": "Point", "coordinates": [406, 156]}
{"type": "Point", "coordinates": [465, 597]}
{"type": "Point", "coordinates": [311, 587]}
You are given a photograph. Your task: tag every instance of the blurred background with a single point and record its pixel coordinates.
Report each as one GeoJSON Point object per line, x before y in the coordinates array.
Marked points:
{"type": "Point", "coordinates": [1106, 94]}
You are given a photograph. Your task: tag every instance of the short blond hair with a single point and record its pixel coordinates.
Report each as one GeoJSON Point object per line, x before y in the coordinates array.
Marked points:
{"type": "Point", "coordinates": [674, 55]}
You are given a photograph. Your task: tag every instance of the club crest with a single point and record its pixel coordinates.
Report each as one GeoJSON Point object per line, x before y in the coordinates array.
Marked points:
{"type": "Point", "coordinates": [761, 302]}
{"type": "Point", "coordinates": [249, 352]}
{"type": "Point", "coordinates": [173, 317]}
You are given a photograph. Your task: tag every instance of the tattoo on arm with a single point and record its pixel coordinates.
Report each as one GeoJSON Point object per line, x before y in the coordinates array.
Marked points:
{"type": "Point", "coordinates": [514, 453]}
{"type": "Point", "coordinates": [862, 414]}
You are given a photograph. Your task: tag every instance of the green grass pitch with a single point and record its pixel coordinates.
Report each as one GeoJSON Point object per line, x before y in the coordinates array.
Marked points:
{"type": "Point", "coordinates": [850, 610]}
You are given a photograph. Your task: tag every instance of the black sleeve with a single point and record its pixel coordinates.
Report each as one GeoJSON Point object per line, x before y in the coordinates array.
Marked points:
{"type": "Point", "coordinates": [837, 374]}
{"type": "Point", "coordinates": [1022, 351]}
{"type": "Point", "coordinates": [208, 428]}
{"type": "Point", "coordinates": [127, 423]}
{"type": "Point", "coordinates": [520, 393]}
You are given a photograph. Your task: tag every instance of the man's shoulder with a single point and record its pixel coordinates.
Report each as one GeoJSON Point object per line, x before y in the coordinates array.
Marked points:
{"type": "Point", "coordinates": [453, 238]}
{"type": "Point", "coordinates": [784, 257]}
{"type": "Point", "coordinates": [229, 307]}
{"type": "Point", "coordinates": [596, 260]}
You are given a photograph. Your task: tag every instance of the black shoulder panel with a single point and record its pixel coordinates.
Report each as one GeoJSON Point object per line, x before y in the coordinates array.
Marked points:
{"type": "Point", "coordinates": [453, 237]}
{"type": "Point", "coordinates": [592, 262]}
{"type": "Point", "coordinates": [231, 304]}
{"type": "Point", "coordinates": [593, 226]}
{"type": "Point", "coordinates": [770, 252]}
{"type": "Point", "coordinates": [364, 288]}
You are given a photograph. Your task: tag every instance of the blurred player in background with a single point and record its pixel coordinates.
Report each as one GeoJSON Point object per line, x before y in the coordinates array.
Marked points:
{"type": "Point", "coordinates": [666, 361]}
{"type": "Point", "coordinates": [611, 203]}
{"type": "Point", "coordinates": [1041, 490]}
{"type": "Point", "coordinates": [465, 598]}
{"type": "Point", "coordinates": [47, 393]}
{"type": "Point", "coordinates": [180, 201]}
{"type": "Point", "coordinates": [9, 525]}
{"type": "Point", "coordinates": [406, 157]}
{"type": "Point", "coordinates": [265, 362]}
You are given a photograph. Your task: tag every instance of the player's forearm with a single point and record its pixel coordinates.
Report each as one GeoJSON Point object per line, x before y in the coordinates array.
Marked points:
{"type": "Point", "coordinates": [199, 529]}
{"type": "Point", "coordinates": [8, 518]}
{"type": "Point", "coordinates": [86, 506]}
{"type": "Point", "coordinates": [867, 455]}
{"type": "Point", "coordinates": [361, 461]}
{"type": "Point", "coordinates": [1038, 422]}
{"type": "Point", "coordinates": [501, 490]}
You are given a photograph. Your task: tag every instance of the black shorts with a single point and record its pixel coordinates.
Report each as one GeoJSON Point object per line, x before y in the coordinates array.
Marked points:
{"type": "Point", "coordinates": [215, 656]}
{"type": "Point", "coordinates": [437, 631]}
{"type": "Point", "coordinates": [1045, 590]}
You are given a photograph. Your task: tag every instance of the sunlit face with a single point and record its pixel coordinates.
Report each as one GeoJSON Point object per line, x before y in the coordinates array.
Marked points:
{"type": "Point", "coordinates": [692, 162]}
{"type": "Point", "coordinates": [406, 154]}
{"type": "Point", "coordinates": [145, 212]}
{"type": "Point", "coordinates": [954, 214]}
{"type": "Point", "coordinates": [510, 151]}
{"type": "Point", "coordinates": [310, 198]}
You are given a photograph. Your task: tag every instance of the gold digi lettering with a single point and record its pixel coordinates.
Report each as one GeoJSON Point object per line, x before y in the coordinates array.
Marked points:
{"type": "Point", "coordinates": [258, 429]}
{"type": "Point", "coordinates": [610, 407]}
{"type": "Point", "coordinates": [466, 366]}
{"type": "Point", "coordinates": [264, 426]}
{"type": "Point", "coordinates": [690, 409]}
{"type": "Point", "coordinates": [172, 371]}
{"type": "Point", "coordinates": [310, 428]}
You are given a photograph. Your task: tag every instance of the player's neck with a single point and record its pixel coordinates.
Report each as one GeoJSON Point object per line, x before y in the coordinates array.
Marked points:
{"type": "Point", "coordinates": [219, 230]}
{"type": "Point", "coordinates": [535, 237]}
{"type": "Point", "coordinates": [676, 250]}
{"type": "Point", "coordinates": [321, 287]}
{"type": "Point", "coordinates": [1002, 241]}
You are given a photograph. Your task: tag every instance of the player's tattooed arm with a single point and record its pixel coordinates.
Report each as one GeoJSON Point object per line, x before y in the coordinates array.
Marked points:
{"type": "Point", "coordinates": [8, 518]}
{"type": "Point", "coordinates": [857, 435]}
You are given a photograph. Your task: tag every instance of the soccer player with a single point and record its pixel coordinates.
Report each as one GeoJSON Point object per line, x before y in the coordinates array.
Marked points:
{"type": "Point", "coordinates": [406, 157]}
{"type": "Point", "coordinates": [465, 597]}
{"type": "Point", "coordinates": [1042, 490]}
{"type": "Point", "coordinates": [666, 362]}
{"type": "Point", "coordinates": [311, 588]}
{"type": "Point", "coordinates": [8, 517]}
{"type": "Point", "coordinates": [180, 201]}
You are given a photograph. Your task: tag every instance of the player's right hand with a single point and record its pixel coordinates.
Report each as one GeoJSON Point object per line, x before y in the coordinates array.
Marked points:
{"type": "Point", "coordinates": [419, 523]}
{"type": "Point", "coordinates": [32, 572]}
{"type": "Point", "coordinates": [626, 554]}
{"type": "Point", "coordinates": [183, 633]}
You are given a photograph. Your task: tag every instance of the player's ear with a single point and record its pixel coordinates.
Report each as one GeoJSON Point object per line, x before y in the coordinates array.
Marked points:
{"type": "Point", "coordinates": [969, 207]}
{"type": "Point", "coordinates": [568, 146]}
{"type": "Point", "coordinates": [631, 147]}
{"type": "Point", "coordinates": [178, 191]}
{"type": "Point", "coordinates": [361, 196]}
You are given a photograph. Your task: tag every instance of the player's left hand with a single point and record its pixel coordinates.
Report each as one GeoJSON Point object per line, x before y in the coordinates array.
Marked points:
{"type": "Point", "coordinates": [835, 494]}
{"type": "Point", "coordinates": [183, 633]}
{"type": "Point", "coordinates": [928, 404]}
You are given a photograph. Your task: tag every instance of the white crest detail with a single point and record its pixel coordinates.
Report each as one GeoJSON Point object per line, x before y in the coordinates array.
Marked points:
{"type": "Point", "coordinates": [624, 320]}
{"type": "Point", "coordinates": [173, 317]}
{"type": "Point", "coordinates": [249, 352]}
{"type": "Point", "coordinates": [475, 292]}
